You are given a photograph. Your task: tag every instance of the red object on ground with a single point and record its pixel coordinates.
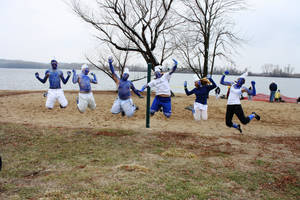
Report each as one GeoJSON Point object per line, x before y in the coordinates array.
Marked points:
{"type": "Point", "coordinates": [265, 97]}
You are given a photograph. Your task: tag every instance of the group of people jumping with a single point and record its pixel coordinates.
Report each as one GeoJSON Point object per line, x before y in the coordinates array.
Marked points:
{"type": "Point", "coordinates": [162, 101]}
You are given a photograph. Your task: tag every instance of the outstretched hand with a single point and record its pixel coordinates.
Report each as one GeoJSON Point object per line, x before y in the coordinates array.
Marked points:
{"type": "Point", "coordinates": [253, 83]}
{"type": "Point", "coordinates": [92, 74]}
{"type": "Point", "coordinates": [36, 74]}
{"type": "Point", "coordinates": [110, 59]}
{"type": "Point", "coordinates": [69, 73]}
{"type": "Point", "coordinates": [73, 70]}
{"type": "Point", "coordinates": [143, 88]}
{"type": "Point", "coordinates": [185, 84]}
{"type": "Point", "coordinates": [226, 72]}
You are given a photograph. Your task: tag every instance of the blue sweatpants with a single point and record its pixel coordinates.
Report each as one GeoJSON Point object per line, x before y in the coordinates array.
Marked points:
{"type": "Point", "coordinates": [164, 102]}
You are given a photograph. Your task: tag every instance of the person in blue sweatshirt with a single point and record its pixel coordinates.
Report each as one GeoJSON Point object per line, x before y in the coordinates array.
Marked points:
{"type": "Point", "coordinates": [85, 97]}
{"type": "Point", "coordinates": [201, 90]}
{"type": "Point", "coordinates": [123, 104]}
{"type": "Point", "coordinates": [55, 91]}
{"type": "Point", "coordinates": [234, 106]}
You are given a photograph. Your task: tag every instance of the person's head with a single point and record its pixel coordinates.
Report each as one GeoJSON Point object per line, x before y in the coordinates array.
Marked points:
{"type": "Point", "coordinates": [157, 71]}
{"type": "Point", "coordinates": [204, 81]}
{"type": "Point", "coordinates": [54, 64]}
{"type": "Point", "coordinates": [125, 75]}
{"type": "Point", "coordinates": [242, 79]}
{"type": "Point", "coordinates": [196, 80]}
{"type": "Point", "coordinates": [85, 69]}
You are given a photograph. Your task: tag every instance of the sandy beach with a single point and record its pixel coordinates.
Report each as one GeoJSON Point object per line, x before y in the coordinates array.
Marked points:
{"type": "Point", "coordinates": [28, 107]}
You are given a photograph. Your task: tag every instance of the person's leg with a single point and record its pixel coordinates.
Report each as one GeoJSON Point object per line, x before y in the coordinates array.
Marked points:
{"type": "Point", "coordinates": [229, 115]}
{"type": "Point", "coordinates": [167, 106]}
{"type": "Point", "coordinates": [51, 98]}
{"type": "Point", "coordinates": [91, 100]}
{"type": "Point", "coordinates": [155, 105]}
{"type": "Point", "coordinates": [245, 120]}
{"type": "Point", "coordinates": [82, 102]}
{"type": "Point", "coordinates": [128, 107]}
{"type": "Point", "coordinates": [272, 96]}
{"type": "Point", "coordinates": [196, 112]}
{"type": "Point", "coordinates": [230, 111]}
{"type": "Point", "coordinates": [61, 98]}
{"type": "Point", "coordinates": [203, 114]}
{"type": "Point", "coordinates": [116, 107]}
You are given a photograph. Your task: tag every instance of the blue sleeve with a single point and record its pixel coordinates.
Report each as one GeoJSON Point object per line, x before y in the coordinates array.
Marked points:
{"type": "Point", "coordinates": [75, 77]}
{"type": "Point", "coordinates": [135, 90]}
{"type": "Point", "coordinates": [111, 67]}
{"type": "Point", "coordinates": [63, 78]}
{"type": "Point", "coordinates": [213, 86]}
{"type": "Point", "coordinates": [94, 80]}
{"type": "Point", "coordinates": [188, 93]}
{"type": "Point", "coordinates": [225, 82]}
{"type": "Point", "coordinates": [173, 69]}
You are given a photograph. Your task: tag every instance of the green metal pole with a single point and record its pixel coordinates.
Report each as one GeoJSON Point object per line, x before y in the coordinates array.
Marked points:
{"type": "Point", "coordinates": [148, 96]}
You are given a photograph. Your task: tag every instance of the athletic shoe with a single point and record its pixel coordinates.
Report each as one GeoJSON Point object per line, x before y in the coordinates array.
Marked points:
{"type": "Point", "coordinates": [137, 108]}
{"type": "Point", "coordinates": [256, 115]}
{"type": "Point", "coordinates": [190, 107]}
{"type": "Point", "coordinates": [123, 113]}
{"type": "Point", "coordinates": [239, 128]}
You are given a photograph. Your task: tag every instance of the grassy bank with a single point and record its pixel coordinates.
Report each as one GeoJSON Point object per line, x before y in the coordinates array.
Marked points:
{"type": "Point", "coordinates": [60, 163]}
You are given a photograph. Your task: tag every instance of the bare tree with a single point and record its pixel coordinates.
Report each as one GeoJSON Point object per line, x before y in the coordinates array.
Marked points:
{"type": "Point", "coordinates": [208, 33]}
{"type": "Point", "coordinates": [276, 70]}
{"type": "Point", "coordinates": [120, 58]}
{"type": "Point", "coordinates": [143, 24]}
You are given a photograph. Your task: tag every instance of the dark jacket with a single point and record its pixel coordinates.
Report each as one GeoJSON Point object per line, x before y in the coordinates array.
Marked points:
{"type": "Point", "coordinates": [273, 87]}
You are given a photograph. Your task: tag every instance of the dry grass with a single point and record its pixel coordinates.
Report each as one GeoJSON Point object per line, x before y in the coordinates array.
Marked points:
{"type": "Point", "coordinates": [60, 163]}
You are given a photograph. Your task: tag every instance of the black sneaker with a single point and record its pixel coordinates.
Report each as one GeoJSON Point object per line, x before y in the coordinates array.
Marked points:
{"type": "Point", "coordinates": [239, 128]}
{"type": "Point", "coordinates": [123, 113]}
{"type": "Point", "coordinates": [137, 108]}
{"type": "Point", "coordinates": [256, 115]}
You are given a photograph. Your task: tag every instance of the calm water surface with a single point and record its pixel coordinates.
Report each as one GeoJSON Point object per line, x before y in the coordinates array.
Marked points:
{"type": "Point", "coordinates": [24, 79]}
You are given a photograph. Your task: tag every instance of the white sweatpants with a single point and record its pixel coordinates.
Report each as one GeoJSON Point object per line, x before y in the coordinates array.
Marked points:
{"type": "Point", "coordinates": [86, 100]}
{"type": "Point", "coordinates": [56, 94]}
{"type": "Point", "coordinates": [200, 111]}
{"type": "Point", "coordinates": [123, 105]}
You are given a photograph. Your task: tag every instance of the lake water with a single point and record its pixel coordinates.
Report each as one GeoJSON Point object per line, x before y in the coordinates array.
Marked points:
{"type": "Point", "coordinates": [24, 79]}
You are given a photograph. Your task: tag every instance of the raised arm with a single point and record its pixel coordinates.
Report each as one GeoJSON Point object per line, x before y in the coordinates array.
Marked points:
{"type": "Point", "coordinates": [94, 80]}
{"type": "Point", "coordinates": [44, 79]}
{"type": "Point", "coordinates": [63, 79]}
{"type": "Point", "coordinates": [174, 67]}
{"type": "Point", "coordinates": [213, 86]}
{"type": "Point", "coordinates": [75, 76]}
{"type": "Point", "coordinates": [223, 77]}
{"type": "Point", "coordinates": [111, 67]}
{"type": "Point", "coordinates": [252, 91]}
{"type": "Point", "coordinates": [187, 92]}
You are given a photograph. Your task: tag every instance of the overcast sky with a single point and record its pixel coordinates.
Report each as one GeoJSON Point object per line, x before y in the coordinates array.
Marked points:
{"type": "Point", "coordinates": [39, 30]}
